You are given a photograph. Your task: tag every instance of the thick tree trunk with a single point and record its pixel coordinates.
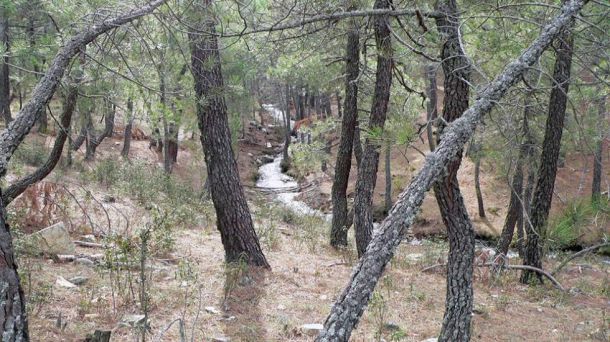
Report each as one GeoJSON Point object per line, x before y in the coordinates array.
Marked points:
{"type": "Point", "coordinates": [367, 172]}
{"type": "Point", "coordinates": [338, 235]}
{"type": "Point", "coordinates": [350, 305]}
{"type": "Point", "coordinates": [233, 216]}
{"type": "Point", "coordinates": [431, 106]}
{"type": "Point", "coordinates": [13, 317]}
{"type": "Point", "coordinates": [128, 129]}
{"type": "Point", "coordinates": [597, 155]}
{"type": "Point", "coordinates": [357, 145]}
{"type": "Point", "coordinates": [543, 195]}
{"type": "Point", "coordinates": [5, 86]}
{"type": "Point", "coordinates": [460, 232]}
{"type": "Point", "coordinates": [22, 184]}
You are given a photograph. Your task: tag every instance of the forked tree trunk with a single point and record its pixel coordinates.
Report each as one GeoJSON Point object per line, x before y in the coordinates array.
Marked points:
{"type": "Point", "coordinates": [45, 169]}
{"type": "Point", "coordinates": [598, 155]}
{"type": "Point", "coordinates": [367, 172]}
{"type": "Point", "coordinates": [460, 232]}
{"type": "Point", "coordinates": [543, 195]}
{"type": "Point", "coordinates": [233, 216]}
{"type": "Point", "coordinates": [350, 305]}
{"type": "Point", "coordinates": [339, 227]}
{"type": "Point", "coordinates": [93, 140]}
{"type": "Point", "coordinates": [13, 316]}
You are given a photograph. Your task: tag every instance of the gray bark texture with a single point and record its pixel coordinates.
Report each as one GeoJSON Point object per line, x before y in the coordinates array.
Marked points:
{"type": "Point", "coordinates": [547, 172]}
{"type": "Point", "coordinates": [460, 232]}
{"type": "Point", "coordinates": [233, 216]}
{"type": "Point", "coordinates": [339, 227]}
{"type": "Point", "coordinates": [5, 86]}
{"type": "Point", "coordinates": [598, 155]}
{"type": "Point", "coordinates": [350, 305]}
{"type": "Point", "coordinates": [13, 316]}
{"type": "Point", "coordinates": [128, 129]}
{"type": "Point", "coordinates": [367, 170]}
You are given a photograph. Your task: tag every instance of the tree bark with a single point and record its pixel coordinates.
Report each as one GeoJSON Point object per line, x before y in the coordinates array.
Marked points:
{"type": "Point", "coordinates": [339, 228]}
{"type": "Point", "coordinates": [128, 129]}
{"type": "Point", "coordinates": [431, 106]}
{"type": "Point", "coordinates": [597, 155]}
{"type": "Point", "coordinates": [5, 86]}
{"type": "Point", "coordinates": [338, 98]}
{"type": "Point", "coordinates": [367, 172]}
{"type": "Point", "coordinates": [19, 186]}
{"type": "Point", "coordinates": [285, 164]}
{"type": "Point", "coordinates": [13, 316]}
{"type": "Point", "coordinates": [543, 195]}
{"type": "Point", "coordinates": [233, 216]}
{"type": "Point", "coordinates": [476, 151]}
{"type": "Point", "coordinates": [350, 305]}
{"type": "Point", "coordinates": [460, 232]}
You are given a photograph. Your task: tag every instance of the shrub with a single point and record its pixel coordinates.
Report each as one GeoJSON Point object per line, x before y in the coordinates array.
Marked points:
{"type": "Point", "coordinates": [31, 154]}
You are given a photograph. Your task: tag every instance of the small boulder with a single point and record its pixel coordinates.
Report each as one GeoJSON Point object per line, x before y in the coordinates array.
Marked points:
{"type": "Point", "coordinates": [221, 339]}
{"type": "Point", "coordinates": [312, 329]}
{"type": "Point", "coordinates": [51, 240]}
{"type": "Point", "coordinates": [431, 339]}
{"type": "Point", "coordinates": [84, 262]}
{"type": "Point", "coordinates": [266, 159]}
{"type": "Point", "coordinates": [78, 280]}
{"type": "Point", "coordinates": [132, 320]}
{"type": "Point", "coordinates": [61, 281]}
{"type": "Point", "coordinates": [212, 310]}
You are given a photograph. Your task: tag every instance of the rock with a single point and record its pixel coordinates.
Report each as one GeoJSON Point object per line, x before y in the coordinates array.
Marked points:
{"type": "Point", "coordinates": [431, 339]}
{"type": "Point", "coordinates": [212, 310]}
{"type": "Point", "coordinates": [78, 280]}
{"type": "Point", "coordinates": [312, 329]}
{"type": "Point", "coordinates": [88, 238]}
{"type": "Point", "coordinates": [323, 297]}
{"type": "Point", "coordinates": [268, 145]}
{"type": "Point", "coordinates": [61, 281]}
{"type": "Point", "coordinates": [84, 262]}
{"type": "Point", "coordinates": [250, 154]}
{"type": "Point", "coordinates": [108, 199]}
{"type": "Point", "coordinates": [221, 339]}
{"type": "Point", "coordinates": [92, 316]}
{"type": "Point", "coordinates": [51, 240]}
{"type": "Point", "coordinates": [132, 320]}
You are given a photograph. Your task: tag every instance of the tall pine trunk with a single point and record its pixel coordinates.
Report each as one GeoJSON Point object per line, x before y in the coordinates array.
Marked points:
{"type": "Point", "coordinates": [128, 129]}
{"type": "Point", "coordinates": [543, 195]}
{"type": "Point", "coordinates": [460, 232]}
{"type": "Point", "coordinates": [338, 235]}
{"type": "Point", "coordinates": [367, 171]}
{"type": "Point", "coordinates": [5, 86]}
{"type": "Point", "coordinates": [233, 216]}
{"type": "Point", "coordinates": [597, 155]}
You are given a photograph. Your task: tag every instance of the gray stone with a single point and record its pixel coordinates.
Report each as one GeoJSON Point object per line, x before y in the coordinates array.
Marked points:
{"type": "Point", "coordinates": [212, 310]}
{"type": "Point", "coordinates": [61, 281]}
{"type": "Point", "coordinates": [267, 159]}
{"type": "Point", "coordinates": [221, 339]}
{"type": "Point", "coordinates": [51, 240]}
{"type": "Point", "coordinates": [431, 339]}
{"type": "Point", "coordinates": [312, 329]}
{"type": "Point", "coordinates": [132, 320]}
{"type": "Point", "coordinates": [84, 262]}
{"type": "Point", "coordinates": [78, 280]}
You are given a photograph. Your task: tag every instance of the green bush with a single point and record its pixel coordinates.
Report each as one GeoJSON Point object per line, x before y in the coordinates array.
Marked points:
{"type": "Point", "coordinates": [31, 154]}
{"type": "Point", "coordinates": [581, 221]}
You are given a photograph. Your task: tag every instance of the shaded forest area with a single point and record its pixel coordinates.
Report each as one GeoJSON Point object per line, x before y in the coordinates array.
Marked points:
{"type": "Point", "coordinates": [304, 170]}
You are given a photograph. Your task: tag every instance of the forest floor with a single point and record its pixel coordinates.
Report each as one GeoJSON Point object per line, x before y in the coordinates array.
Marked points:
{"type": "Point", "coordinates": [190, 286]}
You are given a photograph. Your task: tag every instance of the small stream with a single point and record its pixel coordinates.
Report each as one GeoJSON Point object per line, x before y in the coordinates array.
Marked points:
{"type": "Point", "coordinates": [285, 189]}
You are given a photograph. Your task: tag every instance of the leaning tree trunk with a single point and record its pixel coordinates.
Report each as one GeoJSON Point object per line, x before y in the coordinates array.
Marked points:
{"type": "Point", "coordinates": [5, 86]}
{"type": "Point", "coordinates": [388, 178]}
{"type": "Point", "coordinates": [460, 232]}
{"type": "Point", "coordinates": [338, 234]}
{"type": "Point", "coordinates": [13, 316]}
{"type": "Point", "coordinates": [350, 305]}
{"type": "Point", "coordinates": [597, 155]}
{"type": "Point", "coordinates": [128, 129]}
{"type": "Point", "coordinates": [39, 174]}
{"type": "Point", "coordinates": [475, 150]}
{"type": "Point", "coordinates": [367, 172]}
{"type": "Point", "coordinates": [543, 195]}
{"type": "Point", "coordinates": [233, 216]}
